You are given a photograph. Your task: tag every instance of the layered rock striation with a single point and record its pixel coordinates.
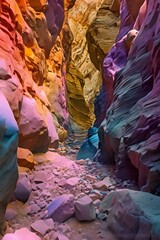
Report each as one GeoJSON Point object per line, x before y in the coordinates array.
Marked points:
{"type": "Point", "coordinates": [130, 131]}
{"type": "Point", "coordinates": [90, 25]}
{"type": "Point", "coordinates": [26, 39]}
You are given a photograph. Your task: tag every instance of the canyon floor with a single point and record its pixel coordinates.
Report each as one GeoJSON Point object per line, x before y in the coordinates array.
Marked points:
{"type": "Point", "coordinates": [48, 180]}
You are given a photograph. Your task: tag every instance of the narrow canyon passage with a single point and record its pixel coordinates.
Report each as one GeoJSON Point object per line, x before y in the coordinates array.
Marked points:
{"type": "Point", "coordinates": [79, 119]}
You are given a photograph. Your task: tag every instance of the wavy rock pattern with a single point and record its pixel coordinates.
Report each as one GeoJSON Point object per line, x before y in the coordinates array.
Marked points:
{"type": "Point", "coordinates": [132, 120]}
{"type": "Point", "coordinates": [92, 29]}
{"type": "Point", "coordinates": [83, 79]}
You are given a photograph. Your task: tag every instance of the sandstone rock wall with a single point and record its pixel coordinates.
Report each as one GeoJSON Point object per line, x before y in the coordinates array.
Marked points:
{"type": "Point", "coordinates": [87, 20]}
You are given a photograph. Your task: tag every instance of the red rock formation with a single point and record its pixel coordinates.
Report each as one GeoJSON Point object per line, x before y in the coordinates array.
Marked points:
{"type": "Point", "coordinates": [25, 43]}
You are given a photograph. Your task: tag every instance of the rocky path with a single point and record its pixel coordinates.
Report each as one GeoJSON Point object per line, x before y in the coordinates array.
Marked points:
{"type": "Point", "coordinates": [72, 189]}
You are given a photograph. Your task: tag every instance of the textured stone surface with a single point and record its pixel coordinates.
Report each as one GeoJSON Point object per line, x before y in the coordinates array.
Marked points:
{"type": "Point", "coordinates": [21, 234]}
{"type": "Point", "coordinates": [132, 215]}
{"type": "Point", "coordinates": [25, 158]}
{"type": "Point", "coordinates": [83, 79]}
{"type": "Point", "coordinates": [62, 208]}
{"type": "Point", "coordinates": [32, 135]}
{"type": "Point", "coordinates": [102, 32]}
{"type": "Point", "coordinates": [84, 209]}
{"type": "Point", "coordinates": [23, 64]}
{"type": "Point", "coordinates": [129, 134]}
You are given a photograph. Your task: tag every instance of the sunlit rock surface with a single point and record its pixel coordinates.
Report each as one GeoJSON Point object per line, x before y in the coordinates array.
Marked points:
{"type": "Point", "coordinates": [25, 43]}
{"type": "Point", "coordinates": [132, 214]}
{"type": "Point", "coordinates": [83, 78]}
{"type": "Point", "coordinates": [26, 40]}
{"type": "Point", "coordinates": [102, 32]}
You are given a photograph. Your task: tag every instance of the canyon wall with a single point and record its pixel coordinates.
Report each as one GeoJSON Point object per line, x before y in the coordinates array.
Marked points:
{"type": "Point", "coordinates": [28, 32]}
{"type": "Point", "coordinates": [93, 26]}
{"type": "Point", "coordinates": [129, 134]}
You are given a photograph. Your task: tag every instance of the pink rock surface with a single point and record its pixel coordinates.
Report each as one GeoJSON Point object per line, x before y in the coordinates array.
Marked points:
{"type": "Point", "coordinates": [21, 234]}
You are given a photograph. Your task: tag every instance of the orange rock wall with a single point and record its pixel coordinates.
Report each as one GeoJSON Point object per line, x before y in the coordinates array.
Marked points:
{"type": "Point", "coordinates": [25, 45]}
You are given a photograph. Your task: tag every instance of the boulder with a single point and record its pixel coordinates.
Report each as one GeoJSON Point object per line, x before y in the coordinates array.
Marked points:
{"type": "Point", "coordinates": [132, 214]}
{"type": "Point", "coordinates": [38, 133]}
{"type": "Point", "coordinates": [61, 208]}
{"type": "Point", "coordinates": [23, 189]}
{"type": "Point", "coordinates": [25, 158]}
{"type": "Point", "coordinates": [40, 227]}
{"type": "Point", "coordinates": [84, 209]}
{"type": "Point", "coordinates": [21, 234]}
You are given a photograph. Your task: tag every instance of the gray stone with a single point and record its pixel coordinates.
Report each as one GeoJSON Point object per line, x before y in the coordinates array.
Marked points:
{"type": "Point", "coordinates": [132, 215]}
{"type": "Point", "coordinates": [84, 209]}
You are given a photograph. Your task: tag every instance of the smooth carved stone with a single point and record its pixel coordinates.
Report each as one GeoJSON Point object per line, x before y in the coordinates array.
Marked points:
{"type": "Point", "coordinates": [132, 215]}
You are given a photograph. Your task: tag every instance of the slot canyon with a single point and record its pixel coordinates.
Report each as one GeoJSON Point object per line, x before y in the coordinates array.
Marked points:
{"type": "Point", "coordinates": [79, 119]}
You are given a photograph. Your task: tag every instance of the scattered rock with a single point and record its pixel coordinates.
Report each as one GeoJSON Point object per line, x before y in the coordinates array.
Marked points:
{"type": "Point", "coordinates": [61, 208]}
{"type": "Point", "coordinates": [34, 208]}
{"type": "Point", "coordinates": [21, 234]}
{"type": "Point", "coordinates": [84, 209]}
{"type": "Point", "coordinates": [81, 162]}
{"type": "Point", "coordinates": [10, 214]}
{"type": "Point", "coordinates": [40, 227]}
{"type": "Point", "coordinates": [23, 189]}
{"type": "Point", "coordinates": [104, 184]}
{"type": "Point", "coordinates": [132, 214]}
{"type": "Point", "coordinates": [72, 182]}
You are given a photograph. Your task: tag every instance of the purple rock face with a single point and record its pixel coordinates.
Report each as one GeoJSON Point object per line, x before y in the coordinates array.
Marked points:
{"type": "Point", "coordinates": [132, 93]}
{"type": "Point", "coordinates": [55, 16]}
{"type": "Point", "coordinates": [61, 208]}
